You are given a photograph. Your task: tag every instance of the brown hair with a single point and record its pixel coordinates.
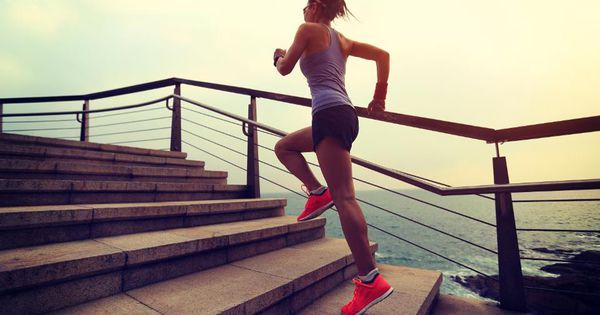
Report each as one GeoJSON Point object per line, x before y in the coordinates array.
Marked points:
{"type": "Point", "coordinates": [333, 8]}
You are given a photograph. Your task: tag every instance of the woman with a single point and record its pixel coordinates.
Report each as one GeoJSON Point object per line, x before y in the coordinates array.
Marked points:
{"type": "Point", "coordinates": [323, 53]}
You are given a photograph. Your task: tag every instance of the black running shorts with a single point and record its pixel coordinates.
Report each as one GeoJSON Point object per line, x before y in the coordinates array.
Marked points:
{"type": "Point", "coordinates": [339, 122]}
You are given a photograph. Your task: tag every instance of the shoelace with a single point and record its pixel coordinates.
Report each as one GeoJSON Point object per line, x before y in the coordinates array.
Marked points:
{"type": "Point", "coordinates": [356, 289]}
{"type": "Point", "coordinates": [355, 294]}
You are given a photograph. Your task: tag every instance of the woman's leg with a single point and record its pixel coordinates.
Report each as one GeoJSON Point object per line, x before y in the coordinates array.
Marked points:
{"type": "Point", "coordinates": [289, 151]}
{"type": "Point", "coordinates": [337, 169]}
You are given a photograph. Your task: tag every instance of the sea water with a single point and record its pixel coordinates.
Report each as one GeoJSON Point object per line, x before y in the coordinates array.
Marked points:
{"type": "Point", "coordinates": [581, 215]}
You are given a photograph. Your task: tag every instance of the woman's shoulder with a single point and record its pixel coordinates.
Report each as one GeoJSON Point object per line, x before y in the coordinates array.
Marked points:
{"type": "Point", "coordinates": [310, 27]}
{"type": "Point", "coordinates": [310, 31]}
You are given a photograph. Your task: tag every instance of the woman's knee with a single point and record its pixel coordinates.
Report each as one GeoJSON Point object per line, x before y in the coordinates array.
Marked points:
{"type": "Point", "coordinates": [280, 147]}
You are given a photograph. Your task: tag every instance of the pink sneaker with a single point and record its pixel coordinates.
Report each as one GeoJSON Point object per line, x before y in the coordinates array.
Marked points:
{"type": "Point", "coordinates": [316, 205]}
{"type": "Point", "coordinates": [367, 295]}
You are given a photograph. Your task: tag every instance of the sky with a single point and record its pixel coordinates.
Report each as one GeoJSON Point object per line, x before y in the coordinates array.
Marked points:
{"type": "Point", "coordinates": [494, 64]}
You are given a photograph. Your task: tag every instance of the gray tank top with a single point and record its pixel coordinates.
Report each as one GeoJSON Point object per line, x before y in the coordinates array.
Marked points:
{"type": "Point", "coordinates": [325, 71]}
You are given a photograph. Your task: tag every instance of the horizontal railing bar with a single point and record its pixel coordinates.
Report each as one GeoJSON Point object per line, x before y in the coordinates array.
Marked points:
{"type": "Point", "coordinates": [558, 200]}
{"type": "Point", "coordinates": [244, 91]}
{"type": "Point", "coordinates": [558, 230]}
{"type": "Point", "coordinates": [162, 99]}
{"type": "Point", "coordinates": [457, 129]}
{"type": "Point", "coordinates": [443, 191]}
{"type": "Point", "coordinates": [92, 96]}
{"type": "Point", "coordinates": [36, 121]}
{"type": "Point", "coordinates": [588, 184]}
{"type": "Point", "coordinates": [551, 129]}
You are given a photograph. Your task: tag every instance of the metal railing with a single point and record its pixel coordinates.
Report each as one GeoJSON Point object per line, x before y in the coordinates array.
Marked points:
{"type": "Point", "coordinates": [512, 290]}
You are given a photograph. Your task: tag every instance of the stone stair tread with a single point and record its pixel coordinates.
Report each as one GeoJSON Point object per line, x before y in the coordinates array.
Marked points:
{"type": "Point", "coordinates": [32, 216]}
{"type": "Point", "coordinates": [53, 142]}
{"type": "Point", "coordinates": [18, 266]}
{"type": "Point", "coordinates": [246, 286]}
{"type": "Point", "coordinates": [120, 304]}
{"type": "Point", "coordinates": [43, 185]}
{"type": "Point", "coordinates": [61, 167]}
{"type": "Point", "coordinates": [93, 156]}
{"type": "Point", "coordinates": [29, 266]}
{"type": "Point", "coordinates": [414, 293]}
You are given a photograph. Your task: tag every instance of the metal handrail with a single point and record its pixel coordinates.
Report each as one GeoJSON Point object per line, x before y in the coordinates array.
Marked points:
{"type": "Point", "coordinates": [443, 191]}
{"type": "Point", "coordinates": [91, 111]}
{"type": "Point", "coordinates": [511, 283]}
{"type": "Point", "coordinates": [92, 96]}
{"type": "Point", "coordinates": [536, 131]}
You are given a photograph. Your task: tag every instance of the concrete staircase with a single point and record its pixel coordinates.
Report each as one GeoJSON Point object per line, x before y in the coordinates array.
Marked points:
{"type": "Point", "coordinates": [91, 228]}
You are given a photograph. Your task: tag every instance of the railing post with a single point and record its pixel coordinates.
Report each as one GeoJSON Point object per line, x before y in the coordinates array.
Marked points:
{"type": "Point", "coordinates": [1, 111]}
{"type": "Point", "coordinates": [512, 293]}
{"type": "Point", "coordinates": [85, 123]}
{"type": "Point", "coordinates": [252, 173]}
{"type": "Point", "coordinates": [176, 121]}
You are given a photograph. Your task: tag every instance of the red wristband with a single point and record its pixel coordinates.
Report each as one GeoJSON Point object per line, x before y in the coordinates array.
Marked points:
{"type": "Point", "coordinates": [380, 91]}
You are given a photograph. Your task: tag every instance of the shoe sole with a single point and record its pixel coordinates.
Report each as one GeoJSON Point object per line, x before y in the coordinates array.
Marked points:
{"type": "Point", "coordinates": [377, 300]}
{"type": "Point", "coordinates": [317, 212]}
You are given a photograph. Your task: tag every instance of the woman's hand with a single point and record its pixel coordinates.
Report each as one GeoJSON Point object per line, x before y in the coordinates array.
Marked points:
{"type": "Point", "coordinates": [279, 52]}
{"type": "Point", "coordinates": [376, 106]}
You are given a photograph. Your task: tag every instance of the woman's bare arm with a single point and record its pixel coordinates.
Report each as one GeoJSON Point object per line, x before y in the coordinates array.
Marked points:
{"type": "Point", "coordinates": [286, 64]}
{"type": "Point", "coordinates": [382, 59]}
{"type": "Point", "coordinates": [370, 52]}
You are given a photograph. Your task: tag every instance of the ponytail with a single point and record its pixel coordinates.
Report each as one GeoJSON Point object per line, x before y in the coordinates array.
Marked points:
{"type": "Point", "coordinates": [333, 9]}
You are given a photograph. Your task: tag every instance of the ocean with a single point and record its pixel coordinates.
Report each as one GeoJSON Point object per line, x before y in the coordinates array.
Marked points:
{"type": "Point", "coordinates": [547, 215]}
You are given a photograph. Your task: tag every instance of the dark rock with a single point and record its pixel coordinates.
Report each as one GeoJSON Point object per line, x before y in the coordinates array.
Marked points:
{"type": "Point", "coordinates": [574, 276]}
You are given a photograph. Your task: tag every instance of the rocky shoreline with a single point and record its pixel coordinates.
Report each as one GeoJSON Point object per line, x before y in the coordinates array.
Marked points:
{"type": "Point", "coordinates": [572, 276]}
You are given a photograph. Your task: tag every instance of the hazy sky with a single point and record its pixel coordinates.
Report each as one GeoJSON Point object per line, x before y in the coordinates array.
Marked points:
{"type": "Point", "coordinates": [494, 64]}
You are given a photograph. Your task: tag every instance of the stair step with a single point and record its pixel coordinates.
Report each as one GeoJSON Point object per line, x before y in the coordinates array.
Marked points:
{"type": "Point", "coordinates": [415, 291]}
{"type": "Point", "coordinates": [279, 282]}
{"type": "Point", "coordinates": [61, 143]}
{"type": "Point", "coordinates": [22, 192]}
{"type": "Point", "coordinates": [36, 225]}
{"type": "Point", "coordinates": [60, 170]}
{"type": "Point", "coordinates": [32, 278]}
{"type": "Point", "coordinates": [13, 151]}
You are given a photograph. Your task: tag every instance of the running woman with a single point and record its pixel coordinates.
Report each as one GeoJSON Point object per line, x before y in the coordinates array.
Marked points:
{"type": "Point", "coordinates": [322, 53]}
